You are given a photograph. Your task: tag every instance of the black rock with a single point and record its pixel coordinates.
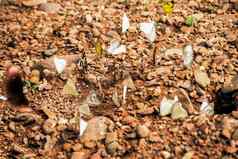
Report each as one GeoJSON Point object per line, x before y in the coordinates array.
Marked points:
{"type": "Point", "coordinates": [226, 101]}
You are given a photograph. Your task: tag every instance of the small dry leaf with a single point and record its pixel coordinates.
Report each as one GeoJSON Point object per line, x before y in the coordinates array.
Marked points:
{"type": "Point", "coordinates": [70, 89]}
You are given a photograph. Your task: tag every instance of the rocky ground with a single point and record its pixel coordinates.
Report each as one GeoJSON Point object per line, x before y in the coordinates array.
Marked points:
{"type": "Point", "coordinates": [97, 87]}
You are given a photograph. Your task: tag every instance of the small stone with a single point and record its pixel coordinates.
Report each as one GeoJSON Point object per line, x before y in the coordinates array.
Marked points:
{"type": "Point", "coordinates": [50, 8]}
{"type": "Point", "coordinates": [201, 78]}
{"type": "Point", "coordinates": [31, 3]}
{"type": "Point", "coordinates": [89, 18]}
{"type": "Point", "coordinates": [48, 112]}
{"type": "Point", "coordinates": [165, 154]}
{"type": "Point", "coordinates": [49, 126]}
{"type": "Point", "coordinates": [12, 126]}
{"type": "Point", "coordinates": [89, 144]}
{"type": "Point", "coordinates": [96, 129]}
{"type": "Point", "coordinates": [235, 114]}
{"type": "Point", "coordinates": [18, 149]}
{"type": "Point", "coordinates": [79, 155]}
{"type": "Point", "coordinates": [187, 85]}
{"type": "Point", "coordinates": [111, 137]}
{"type": "Point", "coordinates": [96, 156]}
{"type": "Point", "coordinates": [235, 135]}
{"type": "Point", "coordinates": [178, 111]}
{"type": "Point", "coordinates": [25, 110]}
{"type": "Point", "coordinates": [77, 147]}
{"type": "Point", "coordinates": [166, 106]}
{"type": "Point", "coordinates": [142, 131]}
{"type": "Point", "coordinates": [188, 155]}
{"type": "Point", "coordinates": [67, 146]}
{"type": "Point", "coordinates": [188, 55]}
{"type": "Point", "coordinates": [131, 135]}
{"type": "Point", "coordinates": [113, 147]}
{"type": "Point", "coordinates": [50, 52]}
{"type": "Point", "coordinates": [35, 76]}
{"type": "Point", "coordinates": [228, 127]}
{"type": "Point", "coordinates": [173, 52]}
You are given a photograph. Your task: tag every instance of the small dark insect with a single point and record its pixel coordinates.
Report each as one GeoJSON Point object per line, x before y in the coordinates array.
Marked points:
{"type": "Point", "coordinates": [226, 101]}
{"type": "Point", "coordinates": [14, 87]}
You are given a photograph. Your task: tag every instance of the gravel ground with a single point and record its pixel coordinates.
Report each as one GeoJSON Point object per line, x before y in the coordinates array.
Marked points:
{"type": "Point", "coordinates": [108, 104]}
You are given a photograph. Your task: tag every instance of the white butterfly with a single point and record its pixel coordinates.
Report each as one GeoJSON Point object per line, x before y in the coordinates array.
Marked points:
{"type": "Point", "coordinates": [149, 30]}
{"type": "Point", "coordinates": [125, 23]}
{"type": "Point", "coordinates": [59, 64]}
{"type": "Point", "coordinates": [115, 48]}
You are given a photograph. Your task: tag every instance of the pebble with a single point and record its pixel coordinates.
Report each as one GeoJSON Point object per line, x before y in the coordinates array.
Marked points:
{"type": "Point", "coordinates": [67, 146]}
{"type": "Point", "coordinates": [235, 114]}
{"type": "Point", "coordinates": [111, 137]}
{"type": "Point", "coordinates": [113, 147]}
{"type": "Point", "coordinates": [35, 76]}
{"type": "Point", "coordinates": [188, 55]}
{"type": "Point", "coordinates": [166, 106]}
{"type": "Point", "coordinates": [31, 3]}
{"type": "Point", "coordinates": [96, 156]}
{"type": "Point", "coordinates": [77, 147]}
{"type": "Point", "coordinates": [49, 126]}
{"type": "Point", "coordinates": [12, 126]}
{"type": "Point", "coordinates": [25, 110]}
{"type": "Point", "coordinates": [178, 112]}
{"type": "Point", "coordinates": [188, 155]}
{"type": "Point", "coordinates": [96, 129]}
{"type": "Point", "coordinates": [187, 85]}
{"type": "Point", "coordinates": [79, 155]}
{"type": "Point", "coordinates": [201, 78]}
{"type": "Point", "coordinates": [142, 131]}
{"type": "Point", "coordinates": [131, 135]}
{"type": "Point", "coordinates": [173, 52]}
{"type": "Point", "coordinates": [165, 154]}
{"type": "Point", "coordinates": [228, 127]}
{"type": "Point", "coordinates": [27, 118]}
{"type": "Point", "coordinates": [50, 8]}
{"type": "Point", "coordinates": [90, 144]}
{"type": "Point", "coordinates": [235, 134]}
{"type": "Point", "coordinates": [18, 149]}
{"type": "Point", "coordinates": [50, 52]}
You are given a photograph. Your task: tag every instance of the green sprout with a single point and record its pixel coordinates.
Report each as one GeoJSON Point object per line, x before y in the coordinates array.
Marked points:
{"type": "Point", "coordinates": [190, 20]}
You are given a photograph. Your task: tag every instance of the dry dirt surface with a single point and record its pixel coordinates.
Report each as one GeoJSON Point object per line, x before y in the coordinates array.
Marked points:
{"type": "Point", "coordinates": [98, 87]}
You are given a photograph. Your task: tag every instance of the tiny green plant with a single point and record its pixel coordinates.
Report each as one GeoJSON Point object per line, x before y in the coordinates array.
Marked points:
{"type": "Point", "coordinates": [189, 21]}
{"type": "Point", "coordinates": [33, 87]}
